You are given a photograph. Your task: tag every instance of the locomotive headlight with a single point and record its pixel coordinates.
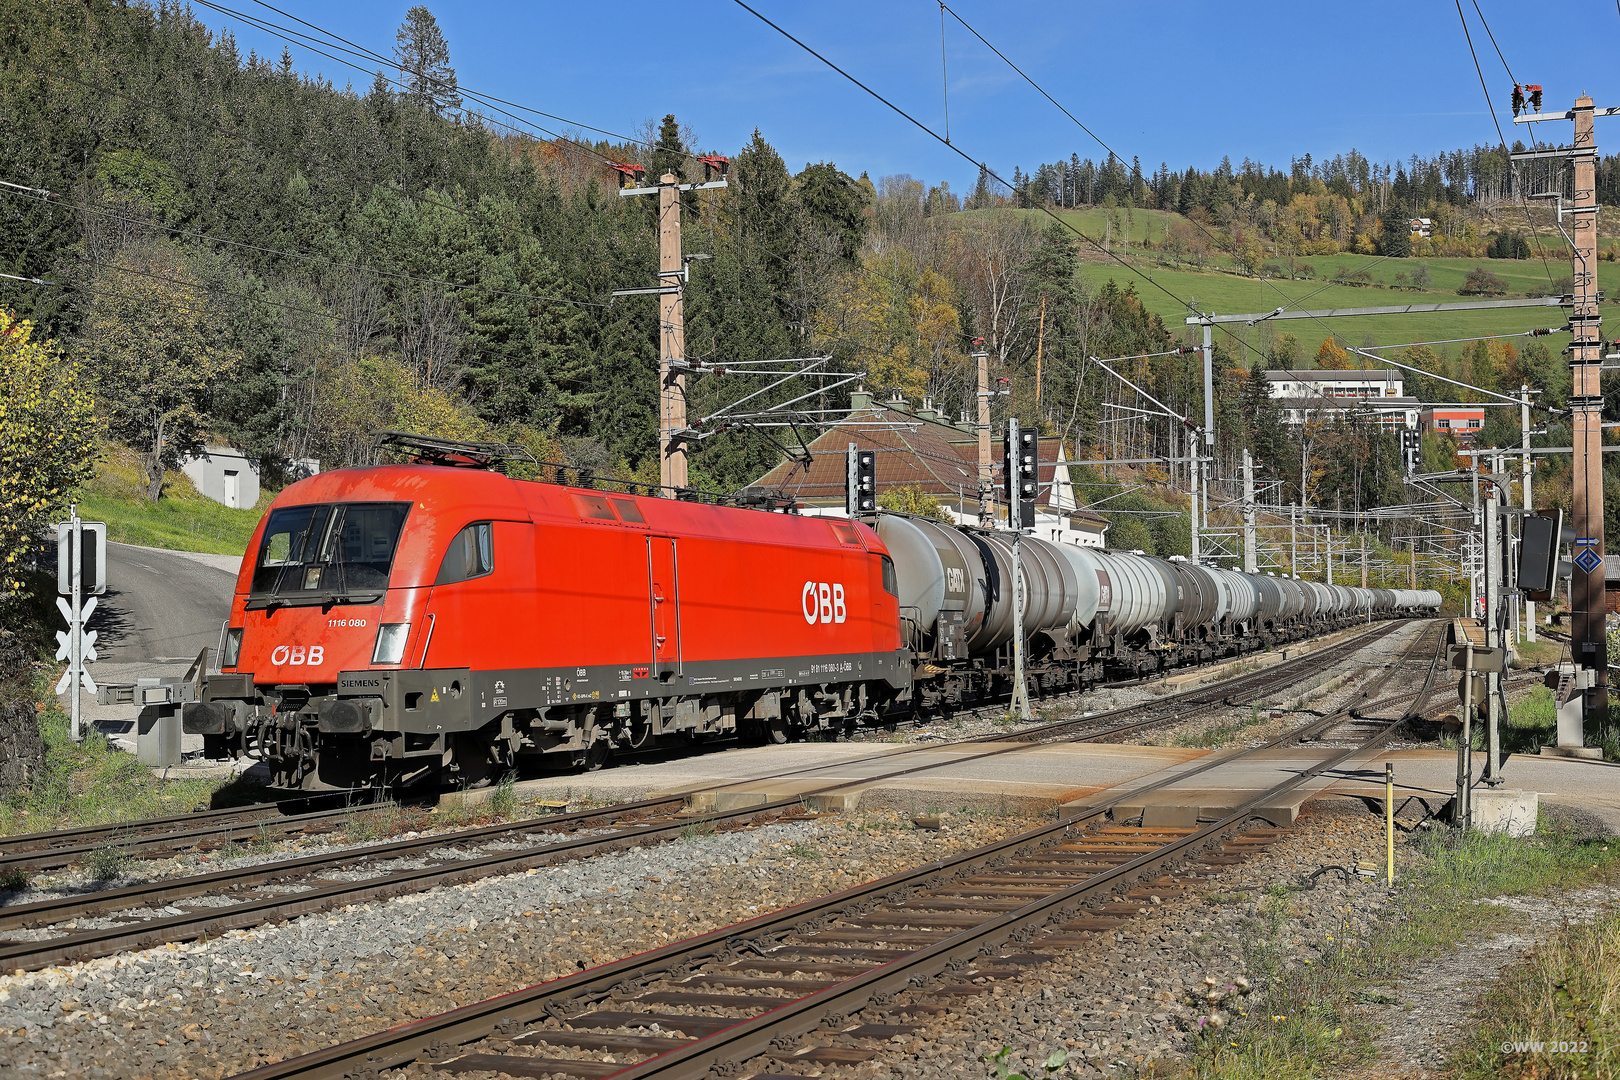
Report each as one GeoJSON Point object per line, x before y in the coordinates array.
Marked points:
{"type": "Point", "coordinates": [233, 647]}
{"type": "Point", "coordinates": [391, 643]}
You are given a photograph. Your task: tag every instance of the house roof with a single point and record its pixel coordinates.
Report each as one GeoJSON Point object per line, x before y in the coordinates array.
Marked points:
{"type": "Point", "coordinates": [1337, 375]}
{"type": "Point", "coordinates": [1347, 403]}
{"type": "Point", "coordinates": [916, 447]}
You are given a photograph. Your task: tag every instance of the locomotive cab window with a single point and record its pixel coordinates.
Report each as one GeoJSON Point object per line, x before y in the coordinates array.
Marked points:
{"type": "Point", "coordinates": [891, 583]}
{"type": "Point", "coordinates": [327, 553]}
{"type": "Point", "coordinates": [471, 554]}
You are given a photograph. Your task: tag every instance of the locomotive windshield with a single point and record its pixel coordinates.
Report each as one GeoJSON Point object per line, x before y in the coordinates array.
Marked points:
{"type": "Point", "coordinates": [327, 554]}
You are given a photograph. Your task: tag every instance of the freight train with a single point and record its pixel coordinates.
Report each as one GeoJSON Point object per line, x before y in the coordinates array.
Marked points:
{"type": "Point", "coordinates": [425, 623]}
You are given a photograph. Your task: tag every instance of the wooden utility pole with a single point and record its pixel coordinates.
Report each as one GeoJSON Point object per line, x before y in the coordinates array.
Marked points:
{"type": "Point", "coordinates": [1040, 341]}
{"type": "Point", "coordinates": [1588, 642]}
{"type": "Point", "coordinates": [986, 513]}
{"type": "Point", "coordinates": [671, 289]}
{"type": "Point", "coordinates": [671, 340]}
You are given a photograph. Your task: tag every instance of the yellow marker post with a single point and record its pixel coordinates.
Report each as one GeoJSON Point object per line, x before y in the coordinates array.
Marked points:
{"type": "Point", "coordinates": [1389, 820]}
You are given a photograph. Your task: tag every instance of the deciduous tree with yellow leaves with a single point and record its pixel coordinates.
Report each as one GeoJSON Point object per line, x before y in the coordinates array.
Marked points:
{"type": "Point", "coordinates": [153, 338]}
{"type": "Point", "coordinates": [48, 434]}
{"type": "Point", "coordinates": [902, 324]}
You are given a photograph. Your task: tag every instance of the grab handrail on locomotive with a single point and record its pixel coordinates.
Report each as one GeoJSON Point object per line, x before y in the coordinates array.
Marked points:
{"type": "Point", "coordinates": [439, 621]}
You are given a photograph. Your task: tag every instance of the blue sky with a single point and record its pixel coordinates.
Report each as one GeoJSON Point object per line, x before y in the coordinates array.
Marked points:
{"type": "Point", "coordinates": [1171, 81]}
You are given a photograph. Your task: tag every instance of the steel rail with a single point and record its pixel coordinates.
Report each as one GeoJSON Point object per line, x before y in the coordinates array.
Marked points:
{"type": "Point", "coordinates": [56, 849]}
{"type": "Point", "coordinates": [754, 1036]}
{"type": "Point", "coordinates": [165, 890]}
{"type": "Point", "coordinates": [187, 925]}
{"type": "Point", "coordinates": [54, 837]}
{"type": "Point", "coordinates": [41, 854]}
{"type": "Point", "coordinates": [749, 1037]}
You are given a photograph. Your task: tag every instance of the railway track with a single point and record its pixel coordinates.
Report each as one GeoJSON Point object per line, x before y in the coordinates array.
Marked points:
{"type": "Point", "coordinates": [158, 838]}
{"type": "Point", "coordinates": [204, 830]}
{"type": "Point", "coordinates": [80, 927]}
{"type": "Point", "coordinates": [143, 915]}
{"type": "Point", "coordinates": [827, 981]}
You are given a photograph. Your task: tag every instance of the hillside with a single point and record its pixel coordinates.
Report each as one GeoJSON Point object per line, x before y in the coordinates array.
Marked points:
{"type": "Point", "coordinates": [334, 261]}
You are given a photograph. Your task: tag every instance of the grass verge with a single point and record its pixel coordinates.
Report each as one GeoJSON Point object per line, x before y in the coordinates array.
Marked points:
{"type": "Point", "coordinates": [1306, 1022]}
{"type": "Point", "coordinates": [93, 782]}
{"type": "Point", "coordinates": [1556, 1014]}
{"type": "Point", "coordinates": [1533, 723]}
{"type": "Point", "coordinates": [182, 520]}
{"type": "Point", "coordinates": [1219, 734]}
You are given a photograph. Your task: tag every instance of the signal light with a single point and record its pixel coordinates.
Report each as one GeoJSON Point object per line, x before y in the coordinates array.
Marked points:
{"type": "Point", "coordinates": [1020, 467]}
{"type": "Point", "coordinates": [860, 481]}
{"type": "Point", "coordinates": [1412, 449]}
{"type": "Point", "coordinates": [1541, 541]}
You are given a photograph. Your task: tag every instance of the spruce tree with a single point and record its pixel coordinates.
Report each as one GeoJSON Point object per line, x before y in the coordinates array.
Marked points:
{"type": "Point", "coordinates": [981, 190]}
{"type": "Point", "coordinates": [669, 152]}
{"type": "Point", "coordinates": [1397, 239]}
{"type": "Point", "coordinates": [423, 56]}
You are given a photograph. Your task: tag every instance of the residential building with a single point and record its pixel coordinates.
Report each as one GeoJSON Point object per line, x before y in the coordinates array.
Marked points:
{"type": "Point", "coordinates": [1462, 422]}
{"type": "Point", "coordinates": [1302, 395]}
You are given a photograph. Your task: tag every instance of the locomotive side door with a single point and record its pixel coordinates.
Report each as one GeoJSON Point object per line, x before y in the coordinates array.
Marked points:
{"type": "Point", "coordinates": [664, 592]}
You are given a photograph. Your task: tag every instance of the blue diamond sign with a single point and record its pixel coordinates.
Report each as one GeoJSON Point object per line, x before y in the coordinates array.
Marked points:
{"type": "Point", "coordinates": [1588, 560]}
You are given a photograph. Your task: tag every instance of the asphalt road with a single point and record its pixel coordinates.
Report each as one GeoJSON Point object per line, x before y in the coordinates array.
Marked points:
{"type": "Point", "coordinates": [161, 605]}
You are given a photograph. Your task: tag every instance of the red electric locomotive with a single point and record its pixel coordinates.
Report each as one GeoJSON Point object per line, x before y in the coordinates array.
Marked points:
{"type": "Point", "coordinates": [395, 622]}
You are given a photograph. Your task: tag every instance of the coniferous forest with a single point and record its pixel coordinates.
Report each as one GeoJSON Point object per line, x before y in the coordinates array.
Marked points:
{"type": "Point", "coordinates": [236, 251]}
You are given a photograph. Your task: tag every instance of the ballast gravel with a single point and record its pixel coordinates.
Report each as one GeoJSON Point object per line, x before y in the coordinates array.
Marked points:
{"type": "Point", "coordinates": [211, 1009]}
{"type": "Point", "coordinates": [1136, 1001]}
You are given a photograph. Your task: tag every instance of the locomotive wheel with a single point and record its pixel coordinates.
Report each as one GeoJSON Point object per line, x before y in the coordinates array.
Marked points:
{"type": "Point", "coordinates": [473, 766]}
{"type": "Point", "coordinates": [597, 755]}
{"type": "Point", "coordinates": [777, 730]}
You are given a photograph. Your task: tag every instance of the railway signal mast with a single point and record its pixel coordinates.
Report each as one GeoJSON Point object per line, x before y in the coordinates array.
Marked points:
{"type": "Point", "coordinates": [1020, 462]}
{"type": "Point", "coordinates": [672, 278]}
{"type": "Point", "coordinates": [1587, 638]}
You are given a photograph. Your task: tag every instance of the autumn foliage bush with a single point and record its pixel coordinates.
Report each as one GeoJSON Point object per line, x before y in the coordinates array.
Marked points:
{"type": "Point", "coordinates": [48, 437]}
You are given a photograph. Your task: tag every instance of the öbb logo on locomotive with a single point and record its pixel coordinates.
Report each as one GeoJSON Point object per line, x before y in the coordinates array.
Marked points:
{"type": "Point", "coordinates": [823, 602]}
{"type": "Point", "coordinates": [296, 655]}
